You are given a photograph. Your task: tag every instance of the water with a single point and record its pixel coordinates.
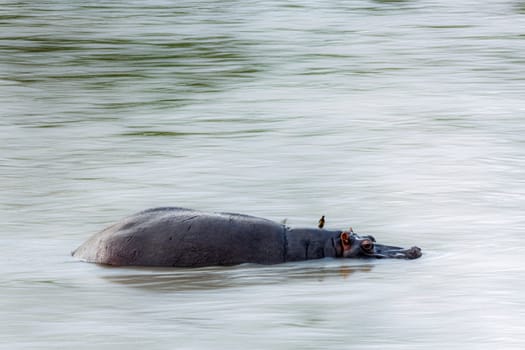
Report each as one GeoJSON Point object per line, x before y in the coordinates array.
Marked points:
{"type": "Point", "coordinates": [404, 119]}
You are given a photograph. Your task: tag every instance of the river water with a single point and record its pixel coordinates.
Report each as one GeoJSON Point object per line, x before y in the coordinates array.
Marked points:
{"type": "Point", "coordinates": [402, 119]}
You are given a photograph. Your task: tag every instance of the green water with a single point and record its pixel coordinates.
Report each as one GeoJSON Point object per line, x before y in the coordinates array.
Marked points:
{"type": "Point", "coordinates": [402, 119]}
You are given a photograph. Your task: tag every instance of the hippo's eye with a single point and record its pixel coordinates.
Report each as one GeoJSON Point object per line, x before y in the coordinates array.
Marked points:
{"type": "Point", "coordinates": [367, 245]}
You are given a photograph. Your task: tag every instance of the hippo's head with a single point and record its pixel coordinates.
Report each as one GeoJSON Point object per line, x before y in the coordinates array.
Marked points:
{"type": "Point", "coordinates": [355, 246]}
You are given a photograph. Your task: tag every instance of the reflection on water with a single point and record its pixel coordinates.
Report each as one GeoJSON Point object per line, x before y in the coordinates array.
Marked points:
{"type": "Point", "coordinates": [170, 280]}
{"type": "Point", "coordinates": [520, 7]}
{"type": "Point", "coordinates": [402, 119]}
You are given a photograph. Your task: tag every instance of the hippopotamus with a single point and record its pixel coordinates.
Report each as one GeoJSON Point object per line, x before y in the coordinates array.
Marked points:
{"type": "Point", "coordinates": [180, 237]}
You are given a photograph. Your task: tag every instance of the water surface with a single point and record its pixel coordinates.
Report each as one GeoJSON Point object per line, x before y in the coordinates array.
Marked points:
{"type": "Point", "coordinates": [403, 119]}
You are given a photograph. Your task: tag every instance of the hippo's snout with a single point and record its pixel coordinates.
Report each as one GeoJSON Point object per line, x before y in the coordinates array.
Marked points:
{"type": "Point", "coordinates": [384, 251]}
{"type": "Point", "coordinates": [365, 246]}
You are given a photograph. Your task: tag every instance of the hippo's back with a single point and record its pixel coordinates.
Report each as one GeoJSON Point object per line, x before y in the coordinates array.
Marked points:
{"type": "Point", "coordinates": [184, 237]}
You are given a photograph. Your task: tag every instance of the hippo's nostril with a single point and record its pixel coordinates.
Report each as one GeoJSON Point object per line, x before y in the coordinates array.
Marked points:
{"type": "Point", "coordinates": [414, 253]}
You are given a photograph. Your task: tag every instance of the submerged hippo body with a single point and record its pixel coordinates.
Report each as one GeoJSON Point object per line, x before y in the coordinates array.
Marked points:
{"type": "Point", "coordinates": [189, 238]}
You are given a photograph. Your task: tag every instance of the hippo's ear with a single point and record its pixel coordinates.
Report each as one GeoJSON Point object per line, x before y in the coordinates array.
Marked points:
{"type": "Point", "coordinates": [345, 240]}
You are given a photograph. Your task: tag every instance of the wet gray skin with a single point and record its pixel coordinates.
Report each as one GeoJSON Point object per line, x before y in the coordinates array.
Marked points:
{"type": "Point", "coordinates": [188, 238]}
